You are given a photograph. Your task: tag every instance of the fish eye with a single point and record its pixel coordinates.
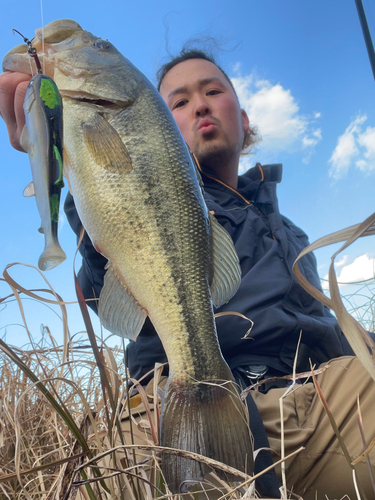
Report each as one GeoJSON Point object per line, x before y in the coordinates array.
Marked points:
{"type": "Point", "coordinates": [102, 44]}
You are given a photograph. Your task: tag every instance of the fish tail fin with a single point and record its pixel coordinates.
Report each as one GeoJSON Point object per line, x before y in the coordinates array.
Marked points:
{"type": "Point", "coordinates": [52, 256]}
{"type": "Point", "coordinates": [205, 418]}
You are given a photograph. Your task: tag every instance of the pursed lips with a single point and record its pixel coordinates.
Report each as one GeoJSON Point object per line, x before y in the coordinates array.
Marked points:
{"type": "Point", "coordinates": [206, 124]}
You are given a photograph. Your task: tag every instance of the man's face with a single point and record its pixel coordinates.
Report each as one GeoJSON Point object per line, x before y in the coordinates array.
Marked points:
{"type": "Point", "coordinates": [206, 110]}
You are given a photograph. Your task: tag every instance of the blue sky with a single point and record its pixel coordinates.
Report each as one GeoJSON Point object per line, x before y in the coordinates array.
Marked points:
{"type": "Point", "coordinates": [302, 73]}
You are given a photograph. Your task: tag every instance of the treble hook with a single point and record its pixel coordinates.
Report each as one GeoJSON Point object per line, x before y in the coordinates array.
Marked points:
{"type": "Point", "coordinates": [31, 50]}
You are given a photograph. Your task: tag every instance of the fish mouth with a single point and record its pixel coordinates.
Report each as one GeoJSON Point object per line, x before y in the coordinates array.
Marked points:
{"type": "Point", "coordinates": [18, 59]}
{"type": "Point", "coordinates": [91, 100]}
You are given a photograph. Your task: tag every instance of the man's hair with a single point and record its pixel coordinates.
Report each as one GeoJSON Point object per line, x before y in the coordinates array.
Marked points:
{"type": "Point", "coordinates": [251, 136]}
{"type": "Point", "coordinates": [185, 55]}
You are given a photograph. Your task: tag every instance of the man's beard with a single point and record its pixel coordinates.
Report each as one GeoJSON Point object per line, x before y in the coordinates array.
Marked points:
{"type": "Point", "coordinates": [215, 155]}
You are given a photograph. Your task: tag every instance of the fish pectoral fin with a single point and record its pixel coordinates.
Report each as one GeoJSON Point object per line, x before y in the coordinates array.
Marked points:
{"type": "Point", "coordinates": [29, 190]}
{"type": "Point", "coordinates": [41, 230]}
{"type": "Point", "coordinates": [205, 418]}
{"type": "Point", "coordinates": [119, 311]}
{"type": "Point", "coordinates": [227, 270]}
{"type": "Point", "coordinates": [105, 146]}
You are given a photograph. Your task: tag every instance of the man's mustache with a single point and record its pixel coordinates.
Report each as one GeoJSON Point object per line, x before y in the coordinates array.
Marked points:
{"type": "Point", "coordinates": [211, 119]}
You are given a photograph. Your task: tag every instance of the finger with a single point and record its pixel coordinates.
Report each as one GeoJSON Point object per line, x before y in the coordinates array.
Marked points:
{"type": "Point", "coordinates": [12, 93]}
{"type": "Point", "coordinates": [9, 82]}
{"type": "Point", "coordinates": [19, 114]}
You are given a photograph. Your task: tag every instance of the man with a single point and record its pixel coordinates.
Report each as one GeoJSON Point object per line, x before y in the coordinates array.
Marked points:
{"type": "Point", "coordinates": [207, 111]}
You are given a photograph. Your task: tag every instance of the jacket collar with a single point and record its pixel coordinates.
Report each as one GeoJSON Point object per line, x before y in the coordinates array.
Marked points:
{"type": "Point", "coordinates": [248, 183]}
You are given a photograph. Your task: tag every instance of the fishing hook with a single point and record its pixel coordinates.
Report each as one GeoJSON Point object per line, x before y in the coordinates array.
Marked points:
{"type": "Point", "coordinates": [31, 50]}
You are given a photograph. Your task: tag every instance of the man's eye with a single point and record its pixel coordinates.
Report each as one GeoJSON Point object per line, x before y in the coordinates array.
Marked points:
{"type": "Point", "coordinates": [214, 92]}
{"type": "Point", "coordinates": [179, 104]}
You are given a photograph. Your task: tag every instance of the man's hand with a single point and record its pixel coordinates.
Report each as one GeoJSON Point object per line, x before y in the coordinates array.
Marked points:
{"type": "Point", "coordinates": [12, 94]}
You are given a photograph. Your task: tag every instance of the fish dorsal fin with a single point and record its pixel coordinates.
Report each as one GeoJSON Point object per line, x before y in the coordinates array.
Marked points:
{"type": "Point", "coordinates": [106, 146]}
{"type": "Point", "coordinates": [227, 271]}
{"type": "Point", "coordinates": [29, 190]}
{"type": "Point", "coordinates": [119, 311]}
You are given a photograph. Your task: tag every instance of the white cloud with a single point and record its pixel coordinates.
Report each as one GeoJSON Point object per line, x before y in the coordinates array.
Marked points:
{"type": "Point", "coordinates": [354, 147]}
{"type": "Point", "coordinates": [361, 269]}
{"type": "Point", "coordinates": [309, 143]}
{"type": "Point", "coordinates": [342, 261]}
{"type": "Point", "coordinates": [313, 139]}
{"type": "Point", "coordinates": [367, 141]}
{"type": "Point", "coordinates": [275, 112]}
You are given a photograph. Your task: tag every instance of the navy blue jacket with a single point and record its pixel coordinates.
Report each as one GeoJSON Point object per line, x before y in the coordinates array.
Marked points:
{"type": "Point", "coordinates": [267, 245]}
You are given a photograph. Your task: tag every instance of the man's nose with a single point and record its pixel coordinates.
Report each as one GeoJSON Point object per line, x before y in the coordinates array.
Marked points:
{"type": "Point", "coordinates": [202, 108]}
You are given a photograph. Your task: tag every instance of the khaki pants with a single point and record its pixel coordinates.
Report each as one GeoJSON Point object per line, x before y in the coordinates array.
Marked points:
{"type": "Point", "coordinates": [320, 471]}
{"type": "Point", "coordinates": [321, 467]}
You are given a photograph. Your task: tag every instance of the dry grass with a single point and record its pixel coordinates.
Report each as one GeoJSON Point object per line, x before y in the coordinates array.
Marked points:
{"type": "Point", "coordinates": [35, 438]}
{"type": "Point", "coordinates": [31, 435]}
{"type": "Point", "coordinates": [62, 411]}
{"type": "Point", "coordinates": [32, 432]}
{"type": "Point", "coordinates": [61, 423]}
{"type": "Point", "coordinates": [359, 300]}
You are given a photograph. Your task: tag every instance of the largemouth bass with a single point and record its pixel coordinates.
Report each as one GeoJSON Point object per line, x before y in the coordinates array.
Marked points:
{"type": "Point", "coordinates": [137, 192]}
{"type": "Point", "coordinates": [42, 139]}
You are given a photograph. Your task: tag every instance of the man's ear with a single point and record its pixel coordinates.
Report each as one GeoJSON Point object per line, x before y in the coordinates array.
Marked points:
{"type": "Point", "coordinates": [245, 120]}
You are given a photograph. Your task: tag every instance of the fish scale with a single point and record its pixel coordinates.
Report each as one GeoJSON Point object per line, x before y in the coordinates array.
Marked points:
{"type": "Point", "coordinates": [137, 192]}
{"type": "Point", "coordinates": [129, 202]}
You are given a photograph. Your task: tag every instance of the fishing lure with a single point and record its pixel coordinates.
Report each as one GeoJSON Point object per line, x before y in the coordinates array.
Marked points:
{"type": "Point", "coordinates": [42, 138]}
